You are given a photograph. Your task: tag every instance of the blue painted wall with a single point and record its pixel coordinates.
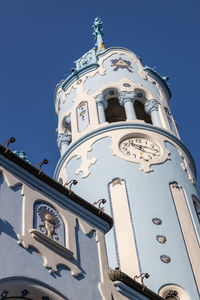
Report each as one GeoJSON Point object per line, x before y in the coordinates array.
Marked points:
{"type": "Point", "coordinates": [18, 262]}
{"type": "Point", "coordinates": [149, 197]}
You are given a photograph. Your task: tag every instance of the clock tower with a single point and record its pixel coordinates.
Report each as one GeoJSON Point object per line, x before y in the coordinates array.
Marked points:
{"type": "Point", "coordinates": [118, 138]}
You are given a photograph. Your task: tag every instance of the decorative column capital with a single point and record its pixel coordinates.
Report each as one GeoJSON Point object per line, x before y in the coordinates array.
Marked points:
{"type": "Point", "coordinates": [101, 100]}
{"type": "Point", "coordinates": [151, 105]}
{"type": "Point", "coordinates": [125, 96]}
{"type": "Point", "coordinates": [68, 120]}
{"type": "Point", "coordinates": [63, 138]}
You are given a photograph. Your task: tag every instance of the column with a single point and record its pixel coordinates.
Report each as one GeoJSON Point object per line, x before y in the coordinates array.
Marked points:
{"type": "Point", "coordinates": [63, 141]}
{"type": "Point", "coordinates": [151, 108]}
{"type": "Point", "coordinates": [102, 104]}
{"type": "Point", "coordinates": [126, 99]}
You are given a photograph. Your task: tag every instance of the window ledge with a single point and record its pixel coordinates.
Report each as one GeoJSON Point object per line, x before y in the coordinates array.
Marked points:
{"type": "Point", "coordinates": [51, 244]}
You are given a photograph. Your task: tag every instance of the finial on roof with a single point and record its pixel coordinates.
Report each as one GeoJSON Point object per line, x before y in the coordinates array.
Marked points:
{"type": "Point", "coordinates": [98, 33]}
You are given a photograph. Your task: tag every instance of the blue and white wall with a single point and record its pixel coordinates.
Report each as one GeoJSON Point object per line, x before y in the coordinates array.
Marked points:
{"type": "Point", "coordinates": [69, 262]}
{"type": "Point", "coordinates": [142, 196]}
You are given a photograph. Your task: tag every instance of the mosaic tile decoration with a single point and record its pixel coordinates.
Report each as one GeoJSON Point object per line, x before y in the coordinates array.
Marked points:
{"type": "Point", "coordinates": [157, 221]}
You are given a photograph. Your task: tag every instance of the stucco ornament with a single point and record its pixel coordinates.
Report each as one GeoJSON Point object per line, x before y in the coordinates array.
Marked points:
{"type": "Point", "coordinates": [44, 231]}
{"type": "Point", "coordinates": [151, 105]}
{"type": "Point", "coordinates": [52, 252]}
{"type": "Point", "coordinates": [86, 60]}
{"type": "Point", "coordinates": [185, 166]}
{"type": "Point", "coordinates": [63, 138]}
{"type": "Point", "coordinates": [125, 96]}
{"type": "Point", "coordinates": [101, 100]}
{"type": "Point", "coordinates": [119, 63]}
{"type": "Point", "coordinates": [85, 166]}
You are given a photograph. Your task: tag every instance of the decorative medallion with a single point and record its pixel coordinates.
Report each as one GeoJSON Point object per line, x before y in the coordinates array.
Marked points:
{"type": "Point", "coordinates": [166, 259]}
{"type": "Point", "coordinates": [51, 222]}
{"type": "Point", "coordinates": [23, 295]}
{"type": "Point", "coordinates": [157, 221]}
{"type": "Point", "coordinates": [126, 84]}
{"type": "Point", "coordinates": [120, 63]}
{"type": "Point", "coordinates": [79, 81]}
{"type": "Point", "coordinates": [111, 93]}
{"type": "Point", "coordinates": [139, 95]}
{"type": "Point", "coordinates": [171, 294]}
{"type": "Point", "coordinates": [161, 239]}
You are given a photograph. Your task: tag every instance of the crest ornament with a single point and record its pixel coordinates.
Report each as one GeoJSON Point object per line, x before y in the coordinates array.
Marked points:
{"type": "Point", "coordinates": [126, 84]}
{"type": "Point", "coordinates": [120, 63]}
{"type": "Point", "coordinates": [140, 95]}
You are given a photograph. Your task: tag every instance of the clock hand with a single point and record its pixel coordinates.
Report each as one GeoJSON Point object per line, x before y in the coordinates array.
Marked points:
{"type": "Point", "coordinates": [154, 150]}
{"type": "Point", "coordinates": [141, 147]}
{"type": "Point", "coordinates": [151, 150]}
{"type": "Point", "coordinates": [136, 146]}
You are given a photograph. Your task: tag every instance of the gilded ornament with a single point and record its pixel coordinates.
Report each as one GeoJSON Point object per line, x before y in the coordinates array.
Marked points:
{"type": "Point", "coordinates": [161, 239]}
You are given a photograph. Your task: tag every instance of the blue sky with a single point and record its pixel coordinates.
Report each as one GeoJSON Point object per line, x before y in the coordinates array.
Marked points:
{"type": "Point", "coordinates": [40, 40]}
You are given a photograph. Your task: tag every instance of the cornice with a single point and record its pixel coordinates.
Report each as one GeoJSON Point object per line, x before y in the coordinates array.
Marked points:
{"type": "Point", "coordinates": [119, 277]}
{"type": "Point", "coordinates": [122, 125]}
{"type": "Point", "coordinates": [65, 83]}
{"type": "Point", "coordinates": [53, 189]}
{"type": "Point", "coordinates": [159, 78]}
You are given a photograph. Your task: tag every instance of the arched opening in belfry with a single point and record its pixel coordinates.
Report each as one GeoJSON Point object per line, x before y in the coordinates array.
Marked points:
{"type": "Point", "coordinates": [140, 112]}
{"type": "Point", "coordinates": [114, 112]}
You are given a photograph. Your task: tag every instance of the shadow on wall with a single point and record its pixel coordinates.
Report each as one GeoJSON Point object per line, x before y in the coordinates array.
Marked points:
{"type": "Point", "coordinates": [8, 229]}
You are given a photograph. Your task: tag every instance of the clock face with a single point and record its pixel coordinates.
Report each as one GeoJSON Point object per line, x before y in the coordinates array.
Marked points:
{"type": "Point", "coordinates": [139, 148]}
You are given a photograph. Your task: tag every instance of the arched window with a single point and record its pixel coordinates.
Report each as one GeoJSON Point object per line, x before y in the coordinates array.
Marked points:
{"type": "Point", "coordinates": [196, 206]}
{"type": "Point", "coordinates": [114, 112]}
{"type": "Point", "coordinates": [140, 112]}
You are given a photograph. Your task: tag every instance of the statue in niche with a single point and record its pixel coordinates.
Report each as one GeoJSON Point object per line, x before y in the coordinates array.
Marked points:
{"type": "Point", "coordinates": [51, 222]}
